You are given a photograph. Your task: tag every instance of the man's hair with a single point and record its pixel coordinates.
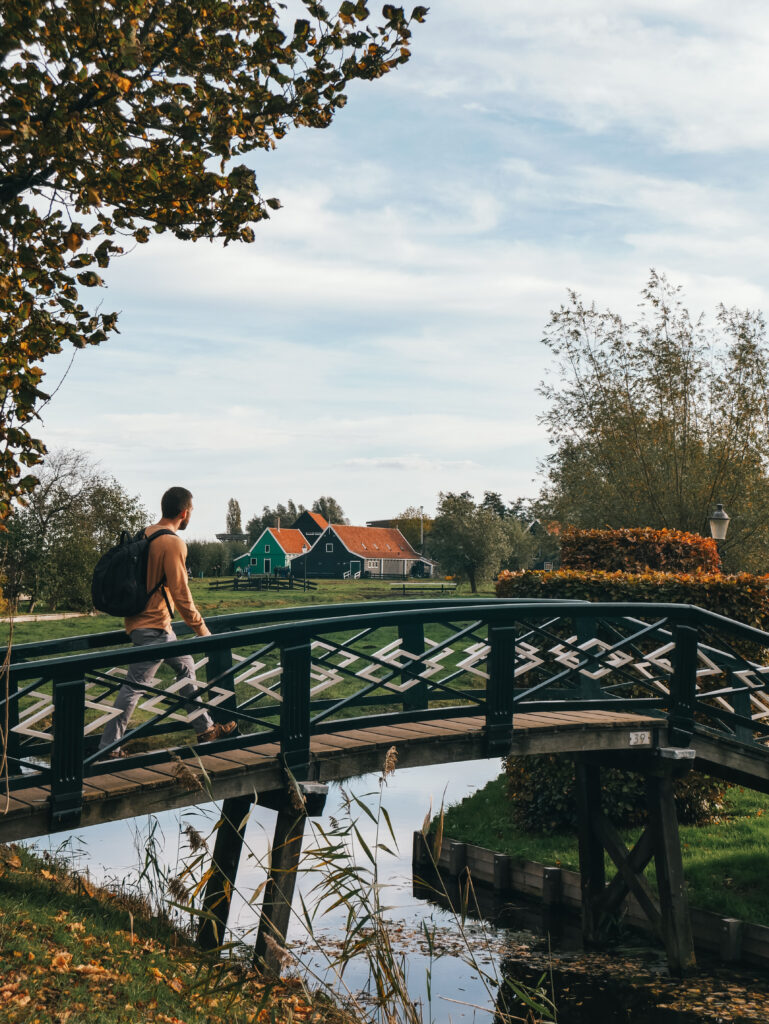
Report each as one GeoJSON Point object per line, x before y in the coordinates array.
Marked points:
{"type": "Point", "coordinates": [175, 501]}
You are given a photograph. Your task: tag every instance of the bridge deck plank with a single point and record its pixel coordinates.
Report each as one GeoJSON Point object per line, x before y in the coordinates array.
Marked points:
{"type": "Point", "coordinates": [138, 790]}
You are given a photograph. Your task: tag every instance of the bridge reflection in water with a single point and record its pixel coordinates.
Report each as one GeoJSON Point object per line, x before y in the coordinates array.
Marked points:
{"type": "Point", "coordinates": [322, 692]}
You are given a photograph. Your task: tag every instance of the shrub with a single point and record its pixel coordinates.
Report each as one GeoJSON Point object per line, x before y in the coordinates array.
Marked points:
{"type": "Point", "coordinates": [743, 597]}
{"type": "Point", "coordinates": [638, 550]}
{"type": "Point", "coordinates": [542, 792]}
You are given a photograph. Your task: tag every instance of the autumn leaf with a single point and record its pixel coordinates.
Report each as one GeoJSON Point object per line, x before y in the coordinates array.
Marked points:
{"type": "Point", "coordinates": [61, 961]}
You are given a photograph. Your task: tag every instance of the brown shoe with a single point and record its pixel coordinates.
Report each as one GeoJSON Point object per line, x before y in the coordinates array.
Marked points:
{"type": "Point", "coordinates": [216, 732]}
{"type": "Point", "coordinates": [114, 755]}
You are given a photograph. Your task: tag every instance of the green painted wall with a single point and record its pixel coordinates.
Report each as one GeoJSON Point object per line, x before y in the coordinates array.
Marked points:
{"type": "Point", "coordinates": [265, 547]}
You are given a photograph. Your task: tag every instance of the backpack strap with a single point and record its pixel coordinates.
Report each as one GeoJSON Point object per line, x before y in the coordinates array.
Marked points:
{"type": "Point", "coordinates": [161, 586]}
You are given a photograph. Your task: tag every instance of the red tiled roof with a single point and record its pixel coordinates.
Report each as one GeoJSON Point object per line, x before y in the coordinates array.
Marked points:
{"type": "Point", "coordinates": [375, 542]}
{"type": "Point", "coordinates": [292, 541]}
{"type": "Point", "coordinates": [322, 523]}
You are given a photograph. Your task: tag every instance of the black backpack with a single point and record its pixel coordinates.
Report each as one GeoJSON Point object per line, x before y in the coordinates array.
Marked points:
{"type": "Point", "coordinates": [119, 585]}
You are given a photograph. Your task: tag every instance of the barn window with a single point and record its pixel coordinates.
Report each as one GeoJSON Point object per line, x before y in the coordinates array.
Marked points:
{"type": "Point", "coordinates": [266, 549]}
{"type": "Point", "coordinates": [329, 547]}
{"type": "Point", "coordinates": [253, 561]}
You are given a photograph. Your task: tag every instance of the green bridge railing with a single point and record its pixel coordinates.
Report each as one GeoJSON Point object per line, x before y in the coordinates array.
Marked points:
{"type": "Point", "coordinates": [285, 675]}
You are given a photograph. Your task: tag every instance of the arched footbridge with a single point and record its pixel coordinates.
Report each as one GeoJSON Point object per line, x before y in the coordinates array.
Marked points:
{"type": "Point", "coordinates": [322, 692]}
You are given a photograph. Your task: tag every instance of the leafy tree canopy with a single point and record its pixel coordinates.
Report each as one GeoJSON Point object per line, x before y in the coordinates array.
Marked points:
{"type": "Point", "coordinates": [73, 516]}
{"type": "Point", "coordinates": [469, 541]}
{"type": "Point", "coordinates": [653, 422]}
{"type": "Point", "coordinates": [415, 526]}
{"type": "Point", "coordinates": [329, 508]}
{"type": "Point", "coordinates": [286, 515]}
{"type": "Point", "coordinates": [123, 118]}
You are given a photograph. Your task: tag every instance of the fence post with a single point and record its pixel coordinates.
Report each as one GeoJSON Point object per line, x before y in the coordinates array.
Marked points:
{"type": "Point", "coordinates": [500, 690]}
{"type": "Point", "coordinates": [295, 708]}
{"type": "Point", "coordinates": [219, 660]}
{"type": "Point", "coordinates": [683, 687]}
{"type": "Point", "coordinates": [67, 753]}
{"type": "Point", "coordinates": [412, 637]}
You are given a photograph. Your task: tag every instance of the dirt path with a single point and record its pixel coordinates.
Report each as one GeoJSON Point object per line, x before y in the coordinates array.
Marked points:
{"type": "Point", "coordinates": [47, 616]}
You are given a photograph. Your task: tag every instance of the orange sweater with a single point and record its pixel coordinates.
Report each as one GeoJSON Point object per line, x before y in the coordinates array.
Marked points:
{"type": "Point", "coordinates": [167, 556]}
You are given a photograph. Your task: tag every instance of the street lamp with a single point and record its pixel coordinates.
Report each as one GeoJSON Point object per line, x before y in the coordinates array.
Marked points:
{"type": "Point", "coordinates": [719, 524]}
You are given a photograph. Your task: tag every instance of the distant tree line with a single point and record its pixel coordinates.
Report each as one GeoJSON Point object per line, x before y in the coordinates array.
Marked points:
{"type": "Point", "coordinates": [286, 515]}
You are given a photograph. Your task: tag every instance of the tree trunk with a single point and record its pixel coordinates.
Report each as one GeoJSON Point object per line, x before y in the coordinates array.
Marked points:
{"type": "Point", "coordinates": [471, 581]}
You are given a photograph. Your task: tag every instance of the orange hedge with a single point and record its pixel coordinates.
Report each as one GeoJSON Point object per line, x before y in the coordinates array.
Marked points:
{"type": "Point", "coordinates": [743, 597]}
{"type": "Point", "coordinates": [638, 550]}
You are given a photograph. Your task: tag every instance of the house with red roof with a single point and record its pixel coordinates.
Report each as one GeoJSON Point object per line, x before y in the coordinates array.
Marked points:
{"type": "Point", "coordinates": [312, 525]}
{"type": "Point", "coordinates": [273, 549]}
{"type": "Point", "coordinates": [342, 551]}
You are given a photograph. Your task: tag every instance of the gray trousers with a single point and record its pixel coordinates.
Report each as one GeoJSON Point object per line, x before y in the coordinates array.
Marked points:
{"type": "Point", "coordinates": [142, 673]}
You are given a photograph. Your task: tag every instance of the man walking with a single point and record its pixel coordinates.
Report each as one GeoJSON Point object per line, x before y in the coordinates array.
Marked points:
{"type": "Point", "coordinates": [167, 563]}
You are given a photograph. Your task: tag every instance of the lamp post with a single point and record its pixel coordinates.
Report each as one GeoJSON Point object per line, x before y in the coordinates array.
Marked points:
{"type": "Point", "coordinates": [719, 524]}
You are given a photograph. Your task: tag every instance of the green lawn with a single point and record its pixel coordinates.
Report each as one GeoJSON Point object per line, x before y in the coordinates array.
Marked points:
{"type": "Point", "coordinates": [70, 951]}
{"type": "Point", "coordinates": [229, 602]}
{"type": "Point", "coordinates": [726, 863]}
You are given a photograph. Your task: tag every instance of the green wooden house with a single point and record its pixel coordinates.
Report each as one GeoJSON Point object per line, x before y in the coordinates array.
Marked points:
{"type": "Point", "coordinates": [273, 549]}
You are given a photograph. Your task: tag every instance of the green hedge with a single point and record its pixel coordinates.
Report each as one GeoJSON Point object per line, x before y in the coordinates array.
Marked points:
{"type": "Point", "coordinates": [638, 550]}
{"type": "Point", "coordinates": [542, 792]}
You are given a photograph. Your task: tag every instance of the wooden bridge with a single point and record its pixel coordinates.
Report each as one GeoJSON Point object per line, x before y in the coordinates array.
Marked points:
{"type": "Point", "coordinates": [321, 693]}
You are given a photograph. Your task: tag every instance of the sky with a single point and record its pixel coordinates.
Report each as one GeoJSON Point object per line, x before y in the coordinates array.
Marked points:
{"type": "Point", "coordinates": [381, 340]}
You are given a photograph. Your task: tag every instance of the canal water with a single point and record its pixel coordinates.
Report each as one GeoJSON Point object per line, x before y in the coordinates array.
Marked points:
{"type": "Point", "coordinates": [455, 976]}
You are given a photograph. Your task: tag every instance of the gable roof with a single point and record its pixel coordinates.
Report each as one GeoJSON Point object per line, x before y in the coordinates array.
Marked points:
{"type": "Point", "coordinates": [375, 542]}
{"type": "Point", "coordinates": [292, 541]}
{"type": "Point", "coordinates": [322, 523]}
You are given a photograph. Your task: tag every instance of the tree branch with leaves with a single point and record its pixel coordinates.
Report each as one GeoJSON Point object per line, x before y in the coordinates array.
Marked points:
{"type": "Point", "coordinates": [120, 119]}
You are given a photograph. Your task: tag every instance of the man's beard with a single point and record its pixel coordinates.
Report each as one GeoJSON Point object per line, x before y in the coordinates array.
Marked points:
{"type": "Point", "coordinates": [183, 524]}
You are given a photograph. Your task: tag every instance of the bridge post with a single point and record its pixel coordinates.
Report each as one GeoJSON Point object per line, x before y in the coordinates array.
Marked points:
{"type": "Point", "coordinates": [412, 637]}
{"type": "Point", "coordinates": [586, 630]}
{"type": "Point", "coordinates": [224, 870]}
{"type": "Point", "coordinates": [67, 753]}
{"type": "Point", "coordinates": [683, 687]}
{"type": "Point", "coordinates": [500, 690]}
{"type": "Point", "coordinates": [296, 663]}
{"type": "Point", "coordinates": [219, 660]}
{"type": "Point", "coordinates": [741, 705]}
{"type": "Point", "coordinates": [10, 741]}
{"type": "Point", "coordinates": [591, 859]}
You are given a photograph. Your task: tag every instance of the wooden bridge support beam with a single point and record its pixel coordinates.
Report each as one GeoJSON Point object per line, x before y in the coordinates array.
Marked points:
{"type": "Point", "coordinates": [668, 909]}
{"type": "Point", "coordinates": [279, 891]}
{"type": "Point", "coordinates": [224, 870]}
{"type": "Point", "coordinates": [591, 863]}
{"type": "Point", "coordinates": [671, 885]}
{"type": "Point", "coordinates": [284, 863]}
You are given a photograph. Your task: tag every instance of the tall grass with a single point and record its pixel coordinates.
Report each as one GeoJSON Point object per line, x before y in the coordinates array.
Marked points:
{"type": "Point", "coordinates": [342, 865]}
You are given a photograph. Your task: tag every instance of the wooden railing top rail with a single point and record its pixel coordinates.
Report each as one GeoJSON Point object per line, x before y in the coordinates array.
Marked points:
{"type": "Point", "coordinates": [288, 673]}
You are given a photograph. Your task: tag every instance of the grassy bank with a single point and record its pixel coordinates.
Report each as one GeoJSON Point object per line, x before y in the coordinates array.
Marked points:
{"type": "Point", "coordinates": [70, 951]}
{"type": "Point", "coordinates": [725, 862]}
{"type": "Point", "coordinates": [228, 602]}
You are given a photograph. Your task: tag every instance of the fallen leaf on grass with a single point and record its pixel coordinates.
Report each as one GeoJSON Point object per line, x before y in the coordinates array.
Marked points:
{"type": "Point", "coordinates": [76, 926]}
{"type": "Point", "coordinates": [9, 857]}
{"type": "Point", "coordinates": [96, 971]}
{"type": "Point", "coordinates": [46, 874]}
{"type": "Point", "coordinates": [61, 961]}
{"type": "Point", "coordinates": [176, 984]}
